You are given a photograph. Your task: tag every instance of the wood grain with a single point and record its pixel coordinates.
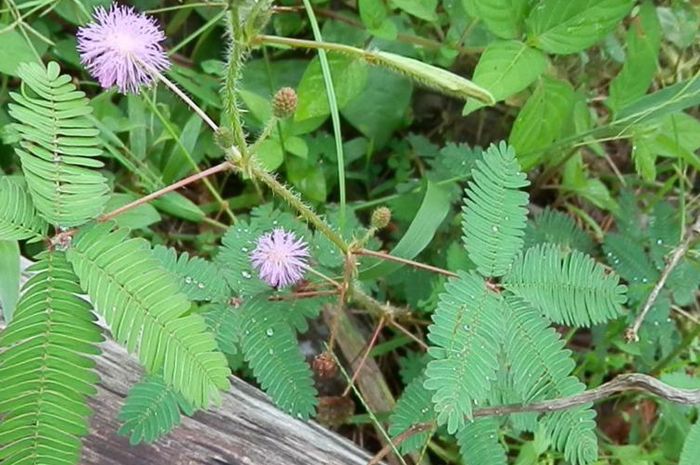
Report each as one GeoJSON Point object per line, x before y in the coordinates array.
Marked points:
{"type": "Point", "coordinates": [247, 429]}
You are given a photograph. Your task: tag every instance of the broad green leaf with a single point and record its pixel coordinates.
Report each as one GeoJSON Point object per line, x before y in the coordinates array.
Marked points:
{"type": "Point", "coordinates": [140, 217]}
{"type": "Point", "coordinates": [349, 77]}
{"type": "Point", "coordinates": [566, 26]}
{"type": "Point", "coordinates": [423, 9]}
{"type": "Point", "coordinates": [502, 17]}
{"type": "Point", "coordinates": [679, 23]}
{"type": "Point", "coordinates": [542, 119]}
{"type": "Point", "coordinates": [431, 213]}
{"type": "Point", "coordinates": [505, 68]}
{"type": "Point", "coordinates": [178, 163]}
{"type": "Point", "coordinates": [14, 50]}
{"type": "Point", "coordinates": [643, 42]}
{"type": "Point", "coordinates": [180, 206]}
{"type": "Point", "coordinates": [669, 100]}
{"type": "Point", "coordinates": [9, 278]}
{"type": "Point", "coordinates": [381, 106]}
{"type": "Point", "coordinates": [691, 448]}
{"type": "Point", "coordinates": [372, 13]}
{"type": "Point", "coordinates": [644, 158]}
{"type": "Point", "coordinates": [576, 180]}
{"type": "Point", "coordinates": [270, 154]}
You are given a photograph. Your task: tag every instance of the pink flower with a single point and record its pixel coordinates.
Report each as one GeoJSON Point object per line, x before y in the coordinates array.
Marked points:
{"type": "Point", "coordinates": [280, 258]}
{"type": "Point", "coordinates": [122, 47]}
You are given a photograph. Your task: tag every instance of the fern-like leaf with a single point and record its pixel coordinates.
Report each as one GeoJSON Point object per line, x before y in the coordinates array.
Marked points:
{"type": "Point", "coordinates": [152, 410]}
{"type": "Point", "coordinates": [558, 228]}
{"type": "Point", "coordinates": [478, 443]}
{"type": "Point", "coordinates": [665, 232]}
{"type": "Point", "coordinates": [569, 288]}
{"type": "Point", "coordinates": [224, 322]}
{"type": "Point", "coordinates": [540, 369]}
{"type": "Point", "coordinates": [19, 219]}
{"type": "Point", "coordinates": [691, 446]}
{"type": "Point", "coordinates": [271, 350]}
{"type": "Point", "coordinates": [413, 407]}
{"type": "Point", "coordinates": [628, 258]}
{"type": "Point", "coordinates": [465, 337]}
{"type": "Point", "coordinates": [234, 260]}
{"type": "Point", "coordinates": [199, 279]}
{"type": "Point", "coordinates": [46, 370]}
{"type": "Point", "coordinates": [145, 310]}
{"type": "Point", "coordinates": [58, 146]}
{"type": "Point", "coordinates": [494, 213]}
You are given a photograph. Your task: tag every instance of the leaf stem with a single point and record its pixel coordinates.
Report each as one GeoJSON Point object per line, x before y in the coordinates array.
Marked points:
{"type": "Point", "coordinates": [676, 256]}
{"type": "Point", "coordinates": [183, 182]}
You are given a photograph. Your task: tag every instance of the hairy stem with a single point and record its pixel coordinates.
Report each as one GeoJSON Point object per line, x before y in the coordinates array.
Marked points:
{"type": "Point", "coordinates": [258, 172]}
{"type": "Point", "coordinates": [232, 114]}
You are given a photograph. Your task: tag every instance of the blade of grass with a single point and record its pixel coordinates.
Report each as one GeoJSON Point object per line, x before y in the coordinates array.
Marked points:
{"type": "Point", "coordinates": [335, 115]}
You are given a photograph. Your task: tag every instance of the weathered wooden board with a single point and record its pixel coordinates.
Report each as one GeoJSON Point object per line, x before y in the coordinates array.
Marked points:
{"type": "Point", "coordinates": [247, 429]}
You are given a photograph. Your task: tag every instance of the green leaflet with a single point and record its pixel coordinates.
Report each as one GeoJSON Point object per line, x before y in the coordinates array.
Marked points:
{"type": "Point", "coordinates": [270, 347]}
{"type": "Point", "coordinates": [9, 278]}
{"type": "Point", "coordinates": [565, 26]}
{"type": "Point", "coordinates": [46, 368]}
{"type": "Point", "coordinates": [152, 410]}
{"type": "Point", "coordinates": [540, 368]}
{"type": "Point", "coordinates": [413, 407]}
{"type": "Point", "coordinates": [505, 68]}
{"type": "Point", "coordinates": [19, 219]}
{"type": "Point", "coordinates": [494, 213]}
{"type": "Point", "coordinates": [557, 228]}
{"type": "Point", "coordinates": [479, 444]}
{"type": "Point", "coordinates": [691, 447]}
{"type": "Point", "coordinates": [569, 288]}
{"type": "Point", "coordinates": [224, 322]}
{"type": "Point", "coordinates": [145, 310]}
{"type": "Point", "coordinates": [58, 146]}
{"type": "Point", "coordinates": [430, 215]}
{"type": "Point", "coordinates": [465, 338]}
{"type": "Point", "coordinates": [199, 279]}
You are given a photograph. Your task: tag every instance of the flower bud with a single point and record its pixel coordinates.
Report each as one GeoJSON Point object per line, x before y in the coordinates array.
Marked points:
{"type": "Point", "coordinates": [324, 365]}
{"type": "Point", "coordinates": [381, 218]}
{"type": "Point", "coordinates": [284, 103]}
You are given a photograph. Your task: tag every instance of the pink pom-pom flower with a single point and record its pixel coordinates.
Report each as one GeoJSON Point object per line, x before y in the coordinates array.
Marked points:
{"type": "Point", "coordinates": [122, 47]}
{"type": "Point", "coordinates": [280, 258]}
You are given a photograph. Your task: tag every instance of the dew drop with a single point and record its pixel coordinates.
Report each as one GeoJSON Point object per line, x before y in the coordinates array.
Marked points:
{"type": "Point", "coordinates": [246, 274]}
{"type": "Point", "coordinates": [270, 351]}
{"type": "Point", "coordinates": [188, 280]}
{"type": "Point", "coordinates": [244, 249]}
{"type": "Point", "coordinates": [659, 241]}
{"type": "Point", "coordinates": [269, 332]}
{"type": "Point", "coordinates": [494, 228]}
{"type": "Point", "coordinates": [200, 285]}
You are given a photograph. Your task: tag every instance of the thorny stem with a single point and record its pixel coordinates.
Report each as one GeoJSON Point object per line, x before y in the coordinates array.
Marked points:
{"type": "Point", "coordinates": [622, 383]}
{"type": "Point", "coordinates": [232, 74]}
{"type": "Point", "coordinates": [676, 256]}
{"type": "Point", "coordinates": [258, 172]}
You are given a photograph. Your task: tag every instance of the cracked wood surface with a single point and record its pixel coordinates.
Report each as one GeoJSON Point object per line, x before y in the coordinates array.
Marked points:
{"type": "Point", "coordinates": [247, 429]}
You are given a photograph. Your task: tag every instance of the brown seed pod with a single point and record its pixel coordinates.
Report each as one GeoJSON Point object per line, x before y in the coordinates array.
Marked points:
{"type": "Point", "coordinates": [324, 366]}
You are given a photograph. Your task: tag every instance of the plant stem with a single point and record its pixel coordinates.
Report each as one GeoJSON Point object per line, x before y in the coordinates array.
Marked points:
{"type": "Point", "coordinates": [185, 98]}
{"type": "Point", "coordinates": [258, 172]}
{"type": "Point", "coordinates": [183, 182]}
{"type": "Point", "coordinates": [622, 383]}
{"type": "Point", "coordinates": [678, 253]}
{"type": "Point", "coordinates": [333, 106]}
{"type": "Point", "coordinates": [233, 68]}
{"type": "Point", "coordinates": [405, 261]}
{"type": "Point", "coordinates": [210, 187]}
